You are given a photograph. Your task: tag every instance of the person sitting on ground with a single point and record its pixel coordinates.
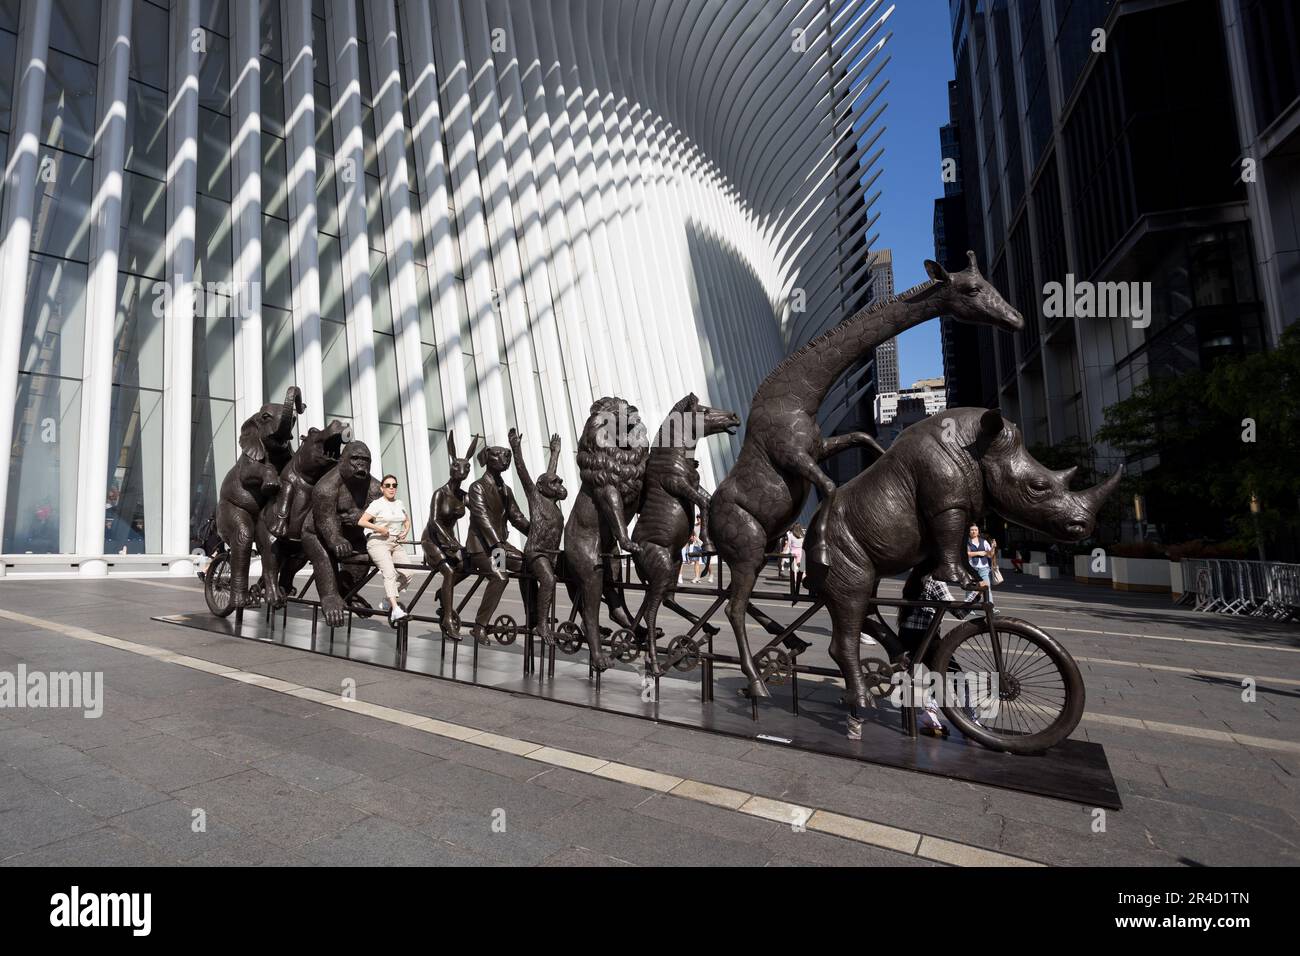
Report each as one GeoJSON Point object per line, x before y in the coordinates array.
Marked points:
{"type": "Point", "coordinates": [387, 525]}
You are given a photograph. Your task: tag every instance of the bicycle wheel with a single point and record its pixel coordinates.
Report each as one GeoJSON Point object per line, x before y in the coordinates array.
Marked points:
{"type": "Point", "coordinates": [1039, 687]}
{"type": "Point", "coordinates": [216, 586]}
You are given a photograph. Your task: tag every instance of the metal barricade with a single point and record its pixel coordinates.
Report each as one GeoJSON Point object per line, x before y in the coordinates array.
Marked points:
{"type": "Point", "coordinates": [1255, 588]}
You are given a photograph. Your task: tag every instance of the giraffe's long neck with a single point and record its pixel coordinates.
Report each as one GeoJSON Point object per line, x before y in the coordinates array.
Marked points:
{"type": "Point", "coordinates": [808, 374]}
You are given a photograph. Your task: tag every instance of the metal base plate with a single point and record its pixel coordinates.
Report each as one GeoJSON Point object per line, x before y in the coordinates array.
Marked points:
{"type": "Point", "coordinates": [1076, 770]}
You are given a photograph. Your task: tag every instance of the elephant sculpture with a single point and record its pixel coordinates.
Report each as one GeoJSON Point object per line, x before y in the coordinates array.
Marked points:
{"type": "Point", "coordinates": [265, 447]}
{"type": "Point", "coordinates": [910, 510]}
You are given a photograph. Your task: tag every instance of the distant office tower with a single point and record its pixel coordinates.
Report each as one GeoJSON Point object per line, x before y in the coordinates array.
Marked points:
{"type": "Point", "coordinates": [1169, 158]}
{"type": "Point", "coordinates": [882, 278]}
{"type": "Point", "coordinates": [434, 216]}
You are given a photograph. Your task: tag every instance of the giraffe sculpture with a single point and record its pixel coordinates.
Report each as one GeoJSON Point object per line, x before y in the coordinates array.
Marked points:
{"type": "Point", "coordinates": [765, 492]}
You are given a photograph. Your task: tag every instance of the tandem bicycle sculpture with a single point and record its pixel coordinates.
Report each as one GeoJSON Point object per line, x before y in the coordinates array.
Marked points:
{"type": "Point", "coordinates": [621, 544]}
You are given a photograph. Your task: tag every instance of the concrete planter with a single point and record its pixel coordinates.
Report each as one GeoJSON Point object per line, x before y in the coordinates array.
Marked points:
{"type": "Point", "coordinates": [1175, 578]}
{"type": "Point", "coordinates": [1084, 574]}
{"type": "Point", "coordinates": [1140, 574]}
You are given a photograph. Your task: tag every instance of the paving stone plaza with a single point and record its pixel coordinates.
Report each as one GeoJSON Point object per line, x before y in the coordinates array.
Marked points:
{"type": "Point", "coordinates": [421, 771]}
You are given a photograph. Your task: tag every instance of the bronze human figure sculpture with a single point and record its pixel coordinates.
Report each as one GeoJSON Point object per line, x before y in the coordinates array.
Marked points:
{"type": "Point", "coordinates": [763, 494]}
{"type": "Point", "coordinates": [331, 533]}
{"type": "Point", "coordinates": [282, 519]}
{"type": "Point", "coordinates": [671, 493]}
{"type": "Point", "coordinates": [612, 451]}
{"type": "Point", "coordinates": [265, 446]}
{"type": "Point", "coordinates": [440, 541]}
{"type": "Point", "coordinates": [910, 511]}
{"type": "Point", "coordinates": [545, 526]}
{"type": "Point", "coordinates": [492, 507]}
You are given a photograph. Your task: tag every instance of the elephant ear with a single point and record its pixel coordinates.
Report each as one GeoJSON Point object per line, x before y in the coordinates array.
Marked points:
{"type": "Point", "coordinates": [250, 441]}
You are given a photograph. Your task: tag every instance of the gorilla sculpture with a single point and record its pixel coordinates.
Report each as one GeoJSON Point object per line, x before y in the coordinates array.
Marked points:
{"type": "Point", "coordinates": [281, 521]}
{"type": "Point", "coordinates": [546, 524]}
{"type": "Point", "coordinates": [265, 445]}
{"type": "Point", "coordinates": [612, 453]}
{"type": "Point", "coordinates": [911, 509]}
{"type": "Point", "coordinates": [670, 495]}
{"type": "Point", "coordinates": [762, 496]}
{"type": "Point", "coordinates": [441, 543]}
{"type": "Point", "coordinates": [331, 532]}
{"type": "Point", "coordinates": [491, 505]}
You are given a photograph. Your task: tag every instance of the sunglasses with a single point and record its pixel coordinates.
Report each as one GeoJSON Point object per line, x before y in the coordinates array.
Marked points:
{"type": "Point", "coordinates": [390, 484]}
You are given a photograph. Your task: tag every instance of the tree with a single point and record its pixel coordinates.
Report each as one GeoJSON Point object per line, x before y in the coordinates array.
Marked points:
{"type": "Point", "coordinates": [1220, 435]}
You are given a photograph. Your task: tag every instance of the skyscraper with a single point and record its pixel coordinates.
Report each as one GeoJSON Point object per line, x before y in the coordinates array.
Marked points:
{"type": "Point", "coordinates": [1107, 142]}
{"type": "Point", "coordinates": [882, 278]}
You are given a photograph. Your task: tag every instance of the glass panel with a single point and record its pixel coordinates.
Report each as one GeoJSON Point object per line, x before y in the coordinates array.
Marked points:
{"type": "Point", "coordinates": [138, 332]}
{"type": "Point", "coordinates": [330, 265]}
{"type": "Point", "coordinates": [275, 258]}
{"type": "Point", "coordinates": [324, 126]}
{"type": "Point", "coordinates": [214, 349]}
{"type": "Point", "coordinates": [214, 154]}
{"type": "Point", "coordinates": [74, 28]}
{"type": "Point", "coordinates": [212, 240]}
{"type": "Point", "coordinates": [269, 30]}
{"type": "Point", "coordinates": [424, 295]}
{"type": "Point", "coordinates": [9, 15]}
{"type": "Point", "coordinates": [390, 403]}
{"type": "Point", "coordinates": [214, 74]}
{"type": "Point", "coordinates": [334, 366]}
{"type": "Point", "coordinates": [215, 15]}
{"type": "Point", "coordinates": [438, 457]}
{"type": "Point", "coordinates": [68, 119]}
{"type": "Point", "coordinates": [374, 214]}
{"type": "Point", "coordinates": [133, 511]}
{"type": "Point", "coordinates": [149, 44]}
{"type": "Point", "coordinates": [277, 362]}
{"type": "Point", "coordinates": [212, 454]}
{"type": "Point", "coordinates": [54, 324]}
{"type": "Point", "coordinates": [381, 308]}
{"type": "Point", "coordinates": [144, 226]}
{"type": "Point", "coordinates": [432, 389]}
{"type": "Point", "coordinates": [8, 53]}
{"type": "Point", "coordinates": [41, 512]}
{"type": "Point", "coordinates": [146, 130]}
{"type": "Point", "coordinates": [272, 97]}
{"type": "Point", "coordinates": [61, 225]}
{"type": "Point", "coordinates": [275, 184]}
{"type": "Point", "coordinates": [392, 459]}
{"type": "Point", "coordinates": [327, 203]}
{"type": "Point", "coordinates": [320, 52]}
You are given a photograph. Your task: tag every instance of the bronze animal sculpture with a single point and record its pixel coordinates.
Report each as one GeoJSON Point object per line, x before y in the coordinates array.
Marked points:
{"type": "Point", "coordinates": [670, 494]}
{"type": "Point", "coordinates": [764, 493]}
{"type": "Point", "coordinates": [281, 520]}
{"type": "Point", "coordinates": [491, 506]}
{"type": "Point", "coordinates": [265, 447]}
{"type": "Point", "coordinates": [612, 451]}
{"type": "Point", "coordinates": [545, 526]}
{"type": "Point", "coordinates": [440, 541]}
{"type": "Point", "coordinates": [911, 509]}
{"type": "Point", "coordinates": [331, 533]}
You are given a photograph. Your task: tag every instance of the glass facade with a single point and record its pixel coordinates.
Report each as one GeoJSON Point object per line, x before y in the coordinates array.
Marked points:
{"type": "Point", "coordinates": [148, 118]}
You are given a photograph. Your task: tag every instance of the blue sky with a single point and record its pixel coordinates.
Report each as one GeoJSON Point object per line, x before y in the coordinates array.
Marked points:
{"type": "Point", "coordinates": [921, 66]}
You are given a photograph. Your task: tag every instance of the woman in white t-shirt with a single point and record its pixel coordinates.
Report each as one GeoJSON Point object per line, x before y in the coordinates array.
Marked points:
{"type": "Point", "coordinates": [387, 525]}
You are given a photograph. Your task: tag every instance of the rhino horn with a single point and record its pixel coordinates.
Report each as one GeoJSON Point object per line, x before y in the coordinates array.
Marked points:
{"type": "Point", "coordinates": [1096, 496]}
{"type": "Point", "coordinates": [1067, 475]}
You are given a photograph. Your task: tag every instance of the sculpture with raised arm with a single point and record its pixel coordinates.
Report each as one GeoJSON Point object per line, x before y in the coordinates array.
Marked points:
{"type": "Point", "coordinates": [546, 525]}
{"type": "Point", "coordinates": [778, 463]}
{"type": "Point", "coordinates": [491, 507]}
{"type": "Point", "coordinates": [265, 447]}
{"type": "Point", "coordinates": [440, 541]}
